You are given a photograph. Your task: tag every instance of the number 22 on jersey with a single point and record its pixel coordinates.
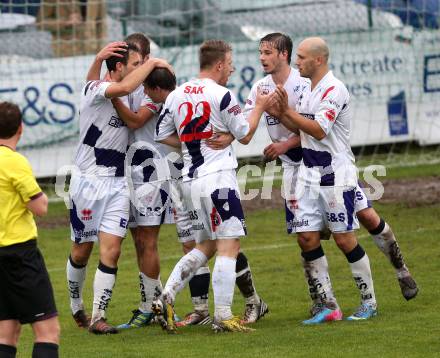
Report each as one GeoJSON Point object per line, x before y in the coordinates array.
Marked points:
{"type": "Point", "coordinates": [193, 128]}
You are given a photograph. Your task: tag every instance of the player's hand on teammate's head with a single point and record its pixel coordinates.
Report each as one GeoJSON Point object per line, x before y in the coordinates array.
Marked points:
{"type": "Point", "coordinates": [161, 63]}
{"type": "Point", "coordinates": [112, 49]}
{"type": "Point", "coordinates": [220, 140]}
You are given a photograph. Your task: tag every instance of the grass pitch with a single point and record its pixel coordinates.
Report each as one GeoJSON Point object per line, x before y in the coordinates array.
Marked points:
{"type": "Point", "coordinates": [402, 329]}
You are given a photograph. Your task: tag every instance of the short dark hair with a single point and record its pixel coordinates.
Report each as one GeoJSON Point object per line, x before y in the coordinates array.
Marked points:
{"type": "Point", "coordinates": [112, 61]}
{"type": "Point", "coordinates": [10, 119]}
{"type": "Point", "coordinates": [141, 41]}
{"type": "Point", "coordinates": [212, 51]}
{"type": "Point", "coordinates": [281, 42]}
{"type": "Point", "coordinates": [162, 78]}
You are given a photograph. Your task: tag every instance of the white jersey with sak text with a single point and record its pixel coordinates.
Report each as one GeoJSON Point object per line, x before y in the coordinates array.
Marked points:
{"type": "Point", "coordinates": [330, 161]}
{"type": "Point", "coordinates": [294, 85]}
{"type": "Point", "coordinates": [103, 135]}
{"type": "Point", "coordinates": [196, 110]}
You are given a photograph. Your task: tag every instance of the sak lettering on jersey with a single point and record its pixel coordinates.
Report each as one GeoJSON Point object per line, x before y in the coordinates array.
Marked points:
{"type": "Point", "coordinates": [194, 110]}
{"type": "Point", "coordinates": [194, 90]}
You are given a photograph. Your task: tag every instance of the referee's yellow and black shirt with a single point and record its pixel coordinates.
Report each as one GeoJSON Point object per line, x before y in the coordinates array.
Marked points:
{"type": "Point", "coordinates": [17, 187]}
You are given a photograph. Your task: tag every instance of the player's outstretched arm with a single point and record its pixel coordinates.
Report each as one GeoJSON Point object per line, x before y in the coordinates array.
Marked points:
{"type": "Point", "coordinates": [135, 78]}
{"type": "Point", "coordinates": [133, 120]}
{"type": "Point", "coordinates": [293, 120]}
{"type": "Point", "coordinates": [106, 52]}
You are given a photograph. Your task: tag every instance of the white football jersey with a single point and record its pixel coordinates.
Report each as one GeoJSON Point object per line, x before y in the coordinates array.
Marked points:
{"type": "Point", "coordinates": [150, 160]}
{"type": "Point", "coordinates": [103, 135]}
{"type": "Point", "coordinates": [294, 85]}
{"type": "Point", "coordinates": [330, 161]}
{"type": "Point", "coordinates": [196, 110]}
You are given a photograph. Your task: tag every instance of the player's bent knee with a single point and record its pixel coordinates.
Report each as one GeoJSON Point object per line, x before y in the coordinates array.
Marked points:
{"type": "Point", "coordinates": [228, 247]}
{"type": "Point", "coordinates": [369, 219]}
{"type": "Point", "coordinates": [80, 253]}
{"type": "Point", "coordinates": [308, 240]}
{"type": "Point", "coordinates": [346, 241]}
{"type": "Point", "coordinates": [188, 246]}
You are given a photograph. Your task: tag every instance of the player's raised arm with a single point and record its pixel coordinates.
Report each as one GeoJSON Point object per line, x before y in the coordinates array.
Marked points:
{"type": "Point", "coordinates": [135, 78]}
{"type": "Point", "coordinates": [111, 49]}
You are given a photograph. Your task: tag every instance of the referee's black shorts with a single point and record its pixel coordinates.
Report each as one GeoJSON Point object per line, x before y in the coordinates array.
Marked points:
{"type": "Point", "coordinates": [26, 293]}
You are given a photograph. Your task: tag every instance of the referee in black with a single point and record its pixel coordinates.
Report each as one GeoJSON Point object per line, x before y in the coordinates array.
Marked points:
{"type": "Point", "coordinates": [26, 294]}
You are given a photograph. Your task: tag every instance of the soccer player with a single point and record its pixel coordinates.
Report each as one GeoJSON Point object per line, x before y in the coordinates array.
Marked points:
{"type": "Point", "coordinates": [153, 209]}
{"type": "Point", "coordinates": [99, 194]}
{"type": "Point", "coordinates": [326, 185]}
{"type": "Point", "coordinates": [275, 56]}
{"type": "Point", "coordinates": [26, 294]}
{"type": "Point", "coordinates": [210, 190]}
{"type": "Point", "coordinates": [158, 85]}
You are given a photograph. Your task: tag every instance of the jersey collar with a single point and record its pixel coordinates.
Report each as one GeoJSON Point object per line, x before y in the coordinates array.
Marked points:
{"type": "Point", "coordinates": [7, 146]}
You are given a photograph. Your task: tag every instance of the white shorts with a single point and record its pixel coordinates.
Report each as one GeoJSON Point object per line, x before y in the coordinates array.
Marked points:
{"type": "Point", "coordinates": [151, 204]}
{"type": "Point", "coordinates": [361, 200]}
{"type": "Point", "coordinates": [327, 207]}
{"type": "Point", "coordinates": [290, 174]}
{"type": "Point", "coordinates": [181, 214]}
{"type": "Point", "coordinates": [214, 207]}
{"type": "Point", "coordinates": [98, 204]}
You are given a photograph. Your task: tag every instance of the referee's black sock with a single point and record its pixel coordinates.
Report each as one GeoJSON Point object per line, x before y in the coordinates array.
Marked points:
{"type": "Point", "coordinates": [45, 350]}
{"type": "Point", "coordinates": [7, 351]}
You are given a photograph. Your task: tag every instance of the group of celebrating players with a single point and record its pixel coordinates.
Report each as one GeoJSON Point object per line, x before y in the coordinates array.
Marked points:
{"type": "Point", "coordinates": [180, 167]}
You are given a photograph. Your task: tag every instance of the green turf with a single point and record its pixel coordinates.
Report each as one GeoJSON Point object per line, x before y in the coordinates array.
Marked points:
{"type": "Point", "coordinates": [401, 329]}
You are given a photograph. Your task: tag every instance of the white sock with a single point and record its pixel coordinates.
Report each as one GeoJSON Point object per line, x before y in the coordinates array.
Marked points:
{"type": "Point", "coordinates": [310, 283]}
{"type": "Point", "coordinates": [386, 242]}
{"type": "Point", "coordinates": [316, 273]}
{"type": "Point", "coordinates": [361, 272]}
{"type": "Point", "coordinates": [182, 273]}
{"type": "Point", "coordinates": [75, 281]}
{"type": "Point", "coordinates": [223, 282]}
{"type": "Point", "coordinates": [103, 284]}
{"type": "Point", "coordinates": [149, 288]}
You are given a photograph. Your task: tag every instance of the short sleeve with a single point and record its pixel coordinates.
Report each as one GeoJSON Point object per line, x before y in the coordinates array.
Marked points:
{"type": "Point", "coordinates": [95, 90]}
{"type": "Point", "coordinates": [24, 181]}
{"type": "Point", "coordinates": [152, 106]}
{"type": "Point", "coordinates": [165, 124]}
{"type": "Point", "coordinates": [233, 117]}
{"type": "Point", "coordinates": [333, 100]}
